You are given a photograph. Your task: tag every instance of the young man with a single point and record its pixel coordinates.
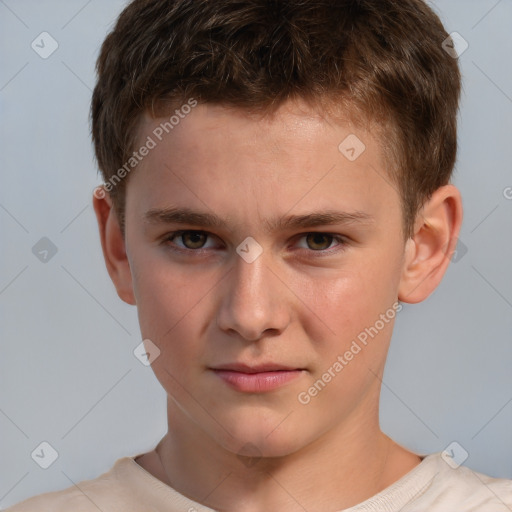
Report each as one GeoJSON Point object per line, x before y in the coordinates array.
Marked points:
{"type": "Point", "coordinates": [277, 183]}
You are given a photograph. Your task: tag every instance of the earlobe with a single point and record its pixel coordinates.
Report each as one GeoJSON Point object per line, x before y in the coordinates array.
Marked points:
{"type": "Point", "coordinates": [428, 252]}
{"type": "Point", "coordinates": [113, 246]}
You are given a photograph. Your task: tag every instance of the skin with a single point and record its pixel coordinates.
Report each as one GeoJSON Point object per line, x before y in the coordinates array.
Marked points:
{"type": "Point", "coordinates": [250, 452]}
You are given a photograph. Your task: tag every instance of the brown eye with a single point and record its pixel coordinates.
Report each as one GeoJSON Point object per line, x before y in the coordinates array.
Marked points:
{"type": "Point", "coordinates": [319, 241]}
{"type": "Point", "coordinates": [193, 239]}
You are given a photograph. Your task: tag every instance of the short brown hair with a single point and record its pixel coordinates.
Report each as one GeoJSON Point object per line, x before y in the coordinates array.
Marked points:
{"type": "Point", "coordinates": [380, 59]}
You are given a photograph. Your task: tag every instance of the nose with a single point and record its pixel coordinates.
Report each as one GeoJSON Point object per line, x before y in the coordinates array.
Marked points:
{"type": "Point", "coordinates": [253, 301]}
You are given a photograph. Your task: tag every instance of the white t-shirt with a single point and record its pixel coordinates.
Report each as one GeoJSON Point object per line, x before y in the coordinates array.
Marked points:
{"type": "Point", "coordinates": [432, 486]}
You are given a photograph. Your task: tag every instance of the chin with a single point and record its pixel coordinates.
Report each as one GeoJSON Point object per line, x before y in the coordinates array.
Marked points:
{"type": "Point", "coordinates": [254, 438]}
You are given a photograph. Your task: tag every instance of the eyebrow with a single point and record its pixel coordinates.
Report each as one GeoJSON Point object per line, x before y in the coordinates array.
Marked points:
{"type": "Point", "coordinates": [188, 216]}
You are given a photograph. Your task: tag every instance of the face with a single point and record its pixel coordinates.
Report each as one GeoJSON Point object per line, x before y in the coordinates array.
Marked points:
{"type": "Point", "coordinates": [259, 254]}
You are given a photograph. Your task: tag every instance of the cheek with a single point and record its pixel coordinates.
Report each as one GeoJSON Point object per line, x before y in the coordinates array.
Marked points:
{"type": "Point", "coordinates": [171, 305]}
{"type": "Point", "coordinates": [343, 300]}
{"type": "Point", "coordinates": [162, 295]}
{"type": "Point", "coordinates": [165, 307]}
{"type": "Point", "coordinates": [354, 353]}
{"type": "Point", "coordinates": [351, 302]}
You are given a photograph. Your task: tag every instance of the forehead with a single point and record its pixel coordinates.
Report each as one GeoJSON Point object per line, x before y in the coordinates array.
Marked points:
{"type": "Point", "coordinates": [229, 160]}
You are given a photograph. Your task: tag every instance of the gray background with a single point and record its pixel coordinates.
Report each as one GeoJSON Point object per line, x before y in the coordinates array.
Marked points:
{"type": "Point", "coordinates": [68, 374]}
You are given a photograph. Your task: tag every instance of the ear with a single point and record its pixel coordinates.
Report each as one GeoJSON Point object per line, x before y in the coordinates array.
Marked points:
{"type": "Point", "coordinates": [113, 245]}
{"type": "Point", "coordinates": [428, 252]}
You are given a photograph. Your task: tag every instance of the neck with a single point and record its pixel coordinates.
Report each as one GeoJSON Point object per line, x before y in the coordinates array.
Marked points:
{"type": "Point", "coordinates": [343, 467]}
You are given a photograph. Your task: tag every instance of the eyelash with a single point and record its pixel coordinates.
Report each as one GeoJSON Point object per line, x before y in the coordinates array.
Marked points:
{"type": "Point", "coordinates": [319, 253]}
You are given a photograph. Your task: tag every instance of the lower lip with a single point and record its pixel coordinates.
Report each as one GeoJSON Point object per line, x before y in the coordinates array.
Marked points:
{"type": "Point", "coordinates": [257, 382]}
